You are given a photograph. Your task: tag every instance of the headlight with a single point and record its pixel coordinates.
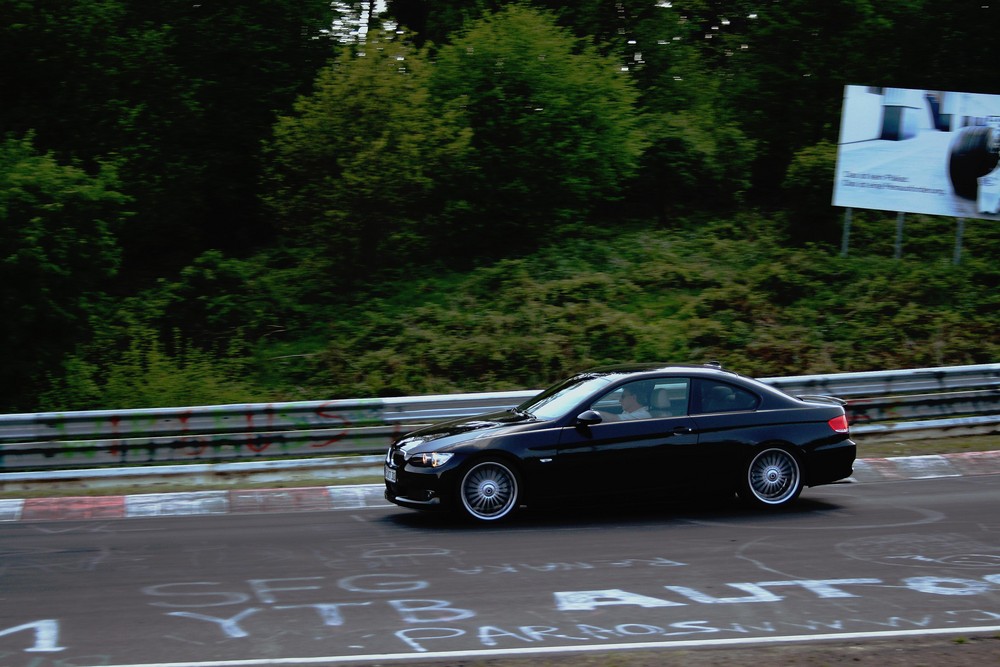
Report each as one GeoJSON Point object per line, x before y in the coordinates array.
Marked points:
{"type": "Point", "coordinates": [431, 459]}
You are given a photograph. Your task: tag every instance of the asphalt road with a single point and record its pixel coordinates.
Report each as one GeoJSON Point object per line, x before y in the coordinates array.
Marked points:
{"type": "Point", "coordinates": [371, 584]}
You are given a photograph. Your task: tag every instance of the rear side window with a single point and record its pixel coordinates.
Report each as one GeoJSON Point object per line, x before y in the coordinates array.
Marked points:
{"type": "Point", "coordinates": [669, 397]}
{"type": "Point", "coordinates": [715, 396]}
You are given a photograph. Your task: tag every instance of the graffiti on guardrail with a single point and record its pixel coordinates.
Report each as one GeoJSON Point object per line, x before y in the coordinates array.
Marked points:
{"type": "Point", "coordinates": [188, 436]}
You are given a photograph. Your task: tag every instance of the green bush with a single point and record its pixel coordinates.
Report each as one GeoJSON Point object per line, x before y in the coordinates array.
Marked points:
{"type": "Point", "coordinates": [726, 290]}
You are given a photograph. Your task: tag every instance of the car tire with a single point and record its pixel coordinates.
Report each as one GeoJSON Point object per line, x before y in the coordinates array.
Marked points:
{"type": "Point", "coordinates": [772, 478]}
{"type": "Point", "coordinates": [970, 158]}
{"type": "Point", "coordinates": [489, 490]}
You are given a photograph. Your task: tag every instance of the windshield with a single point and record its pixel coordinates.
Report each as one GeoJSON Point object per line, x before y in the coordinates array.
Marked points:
{"type": "Point", "coordinates": [557, 400]}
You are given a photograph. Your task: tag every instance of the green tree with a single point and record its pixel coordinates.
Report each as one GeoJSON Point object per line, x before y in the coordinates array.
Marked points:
{"type": "Point", "coordinates": [183, 92]}
{"type": "Point", "coordinates": [240, 65]}
{"type": "Point", "coordinates": [939, 46]}
{"type": "Point", "coordinates": [555, 129]}
{"type": "Point", "coordinates": [808, 189]}
{"type": "Point", "coordinates": [57, 251]}
{"type": "Point", "coordinates": [433, 23]}
{"type": "Point", "coordinates": [785, 64]}
{"type": "Point", "coordinates": [352, 175]}
{"type": "Point", "coordinates": [139, 371]}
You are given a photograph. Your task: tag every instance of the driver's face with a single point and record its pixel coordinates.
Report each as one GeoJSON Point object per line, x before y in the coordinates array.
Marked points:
{"type": "Point", "coordinates": [628, 401]}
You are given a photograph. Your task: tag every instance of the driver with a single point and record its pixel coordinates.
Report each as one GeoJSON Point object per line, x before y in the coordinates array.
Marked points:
{"type": "Point", "coordinates": [633, 407]}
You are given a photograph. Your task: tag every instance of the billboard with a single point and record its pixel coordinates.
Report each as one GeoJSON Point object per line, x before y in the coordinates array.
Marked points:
{"type": "Point", "coordinates": [919, 151]}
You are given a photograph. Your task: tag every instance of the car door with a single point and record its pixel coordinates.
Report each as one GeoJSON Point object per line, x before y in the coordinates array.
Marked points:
{"type": "Point", "coordinates": [728, 425]}
{"type": "Point", "coordinates": [621, 457]}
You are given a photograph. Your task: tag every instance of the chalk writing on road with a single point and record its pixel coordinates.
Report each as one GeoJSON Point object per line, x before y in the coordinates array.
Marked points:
{"type": "Point", "coordinates": [763, 592]}
{"type": "Point", "coordinates": [269, 601]}
{"type": "Point", "coordinates": [45, 633]}
{"type": "Point", "coordinates": [566, 566]}
{"type": "Point", "coordinates": [404, 608]}
{"type": "Point", "coordinates": [490, 636]}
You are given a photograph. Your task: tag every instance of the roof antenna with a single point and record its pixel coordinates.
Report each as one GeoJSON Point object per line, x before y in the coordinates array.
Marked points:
{"type": "Point", "coordinates": [714, 364]}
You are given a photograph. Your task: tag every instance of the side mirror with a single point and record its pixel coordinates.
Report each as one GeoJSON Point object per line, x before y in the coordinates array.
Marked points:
{"type": "Point", "coordinates": [589, 418]}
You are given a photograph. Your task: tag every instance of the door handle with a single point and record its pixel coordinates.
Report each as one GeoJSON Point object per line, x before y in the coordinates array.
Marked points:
{"type": "Point", "coordinates": [682, 430]}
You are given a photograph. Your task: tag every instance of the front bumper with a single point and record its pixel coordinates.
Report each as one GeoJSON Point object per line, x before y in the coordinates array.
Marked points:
{"type": "Point", "coordinates": [424, 501]}
{"type": "Point", "coordinates": [419, 488]}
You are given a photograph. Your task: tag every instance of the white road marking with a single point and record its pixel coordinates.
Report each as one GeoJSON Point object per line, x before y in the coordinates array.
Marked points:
{"type": "Point", "coordinates": [596, 648]}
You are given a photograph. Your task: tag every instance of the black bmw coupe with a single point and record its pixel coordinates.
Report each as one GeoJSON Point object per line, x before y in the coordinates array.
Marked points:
{"type": "Point", "coordinates": [626, 431]}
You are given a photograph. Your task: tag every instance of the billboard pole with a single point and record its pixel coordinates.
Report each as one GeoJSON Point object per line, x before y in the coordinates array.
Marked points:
{"type": "Point", "coordinates": [899, 234]}
{"type": "Point", "coordinates": [845, 240]}
{"type": "Point", "coordinates": [959, 232]}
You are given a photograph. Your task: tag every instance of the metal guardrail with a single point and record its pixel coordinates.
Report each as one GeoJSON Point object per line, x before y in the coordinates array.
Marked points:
{"type": "Point", "coordinates": [926, 402]}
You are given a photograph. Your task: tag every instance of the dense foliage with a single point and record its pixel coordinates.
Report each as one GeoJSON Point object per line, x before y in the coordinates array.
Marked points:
{"type": "Point", "coordinates": [205, 203]}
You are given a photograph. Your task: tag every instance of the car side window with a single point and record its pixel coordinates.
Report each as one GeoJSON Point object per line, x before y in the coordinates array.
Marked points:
{"type": "Point", "coordinates": [722, 397]}
{"type": "Point", "coordinates": [627, 402]}
{"type": "Point", "coordinates": [669, 398]}
{"type": "Point", "coordinates": [645, 399]}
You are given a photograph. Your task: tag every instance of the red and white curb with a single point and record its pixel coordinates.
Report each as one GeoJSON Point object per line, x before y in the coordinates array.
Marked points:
{"type": "Point", "coordinates": [189, 503]}
{"type": "Point", "coordinates": [926, 467]}
{"type": "Point", "coordinates": [362, 496]}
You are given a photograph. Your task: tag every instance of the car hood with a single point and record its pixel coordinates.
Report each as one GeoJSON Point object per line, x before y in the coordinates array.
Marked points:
{"type": "Point", "coordinates": [457, 431]}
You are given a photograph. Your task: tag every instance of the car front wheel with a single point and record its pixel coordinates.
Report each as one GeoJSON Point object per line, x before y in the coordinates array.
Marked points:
{"type": "Point", "coordinates": [489, 491]}
{"type": "Point", "coordinates": [772, 478]}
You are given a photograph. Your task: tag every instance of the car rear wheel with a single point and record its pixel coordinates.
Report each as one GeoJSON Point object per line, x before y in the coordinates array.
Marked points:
{"type": "Point", "coordinates": [489, 491]}
{"type": "Point", "coordinates": [772, 478]}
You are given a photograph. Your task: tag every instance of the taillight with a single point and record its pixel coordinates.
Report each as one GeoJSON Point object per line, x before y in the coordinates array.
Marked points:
{"type": "Point", "coordinates": [839, 424]}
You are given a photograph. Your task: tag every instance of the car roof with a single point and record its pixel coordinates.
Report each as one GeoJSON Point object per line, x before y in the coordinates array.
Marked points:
{"type": "Point", "coordinates": [711, 369]}
{"type": "Point", "coordinates": [638, 368]}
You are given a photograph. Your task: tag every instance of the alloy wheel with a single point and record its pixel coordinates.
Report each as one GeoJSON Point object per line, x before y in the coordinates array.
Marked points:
{"type": "Point", "coordinates": [489, 491]}
{"type": "Point", "coordinates": [774, 477]}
